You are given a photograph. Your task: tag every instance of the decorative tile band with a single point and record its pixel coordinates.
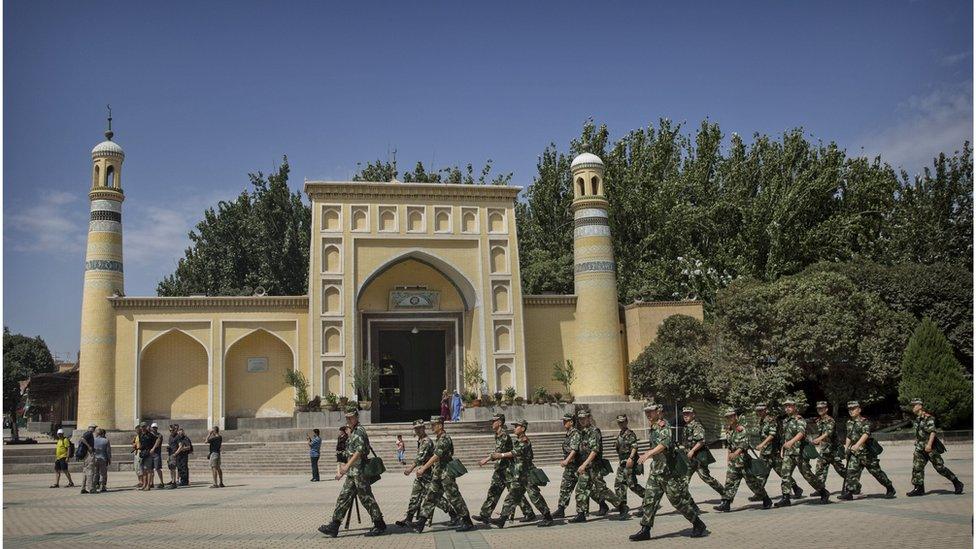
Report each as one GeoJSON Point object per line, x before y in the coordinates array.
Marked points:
{"type": "Point", "coordinates": [591, 230]}
{"type": "Point", "coordinates": [104, 227]}
{"type": "Point", "coordinates": [594, 266]}
{"type": "Point", "coordinates": [110, 205]}
{"type": "Point", "coordinates": [103, 265]}
{"type": "Point", "coordinates": [97, 340]}
{"type": "Point", "coordinates": [105, 215]}
{"type": "Point", "coordinates": [590, 212]}
{"type": "Point", "coordinates": [584, 221]}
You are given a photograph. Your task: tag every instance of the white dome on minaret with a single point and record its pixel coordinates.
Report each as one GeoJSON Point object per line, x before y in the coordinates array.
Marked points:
{"type": "Point", "coordinates": [586, 160]}
{"type": "Point", "coordinates": [108, 148]}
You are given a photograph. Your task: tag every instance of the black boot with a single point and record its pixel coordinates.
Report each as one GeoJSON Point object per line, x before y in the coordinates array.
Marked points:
{"type": "Point", "coordinates": [890, 493]}
{"type": "Point", "coordinates": [697, 528]}
{"type": "Point", "coordinates": [846, 496]}
{"type": "Point", "coordinates": [755, 498]}
{"type": "Point", "coordinates": [378, 529]}
{"type": "Point", "coordinates": [643, 535]}
{"type": "Point", "coordinates": [783, 502]}
{"type": "Point", "coordinates": [331, 529]}
{"type": "Point", "coordinates": [528, 518]}
{"type": "Point", "coordinates": [824, 495]}
{"type": "Point", "coordinates": [560, 512]}
{"type": "Point", "coordinates": [405, 523]}
{"type": "Point", "coordinates": [725, 506]}
{"type": "Point", "coordinates": [957, 484]}
{"type": "Point", "coordinates": [465, 524]}
{"type": "Point", "coordinates": [797, 491]}
{"type": "Point", "coordinates": [580, 517]}
{"type": "Point", "coordinates": [419, 524]}
{"type": "Point", "coordinates": [623, 512]}
{"type": "Point", "coordinates": [546, 520]}
{"type": "Point", "coordinates": [767, 503]}
{"type": "Point", "coordinates": [481, 518]}
{"type": "Point", "coordinates": [603, 510]}
{"type": "Point", "coordinates": [499, 522]}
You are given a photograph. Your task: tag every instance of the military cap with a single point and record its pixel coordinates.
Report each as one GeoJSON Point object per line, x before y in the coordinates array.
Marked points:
{"type": "Point", "coordinates": [789, 402]}
{"type": "Point", "coordinates": [583, 413]}
{"type": "Point", "coordinates": [729, 412]}
{"type": "Point", "coordinates": [568, 417]}
{"type": "Point", "coordinates": [521, 423]}
{"type": "Point", "coordinates": [853, 404]}
{"type": "Point", "coordinates": [687, 410]}
{"type": "Point", "coordinates": [759, 407]}
{"type": "Point", "coordinates": [352, 412]}
{"type": "Point", "coordinates": [437, 420]}
{"type": "Point", "coordinates": [916, 401]}
{"type": "Point", "coordinates": [419, 423]}
{"type": "Point", "coordinates": [822, 404]}
{"type": "Point", "coordinates": [621, 418]}
{"type": "Point", "coordinates": [651, 406]}
{"type": "Point", "coordinates": [498, 417]}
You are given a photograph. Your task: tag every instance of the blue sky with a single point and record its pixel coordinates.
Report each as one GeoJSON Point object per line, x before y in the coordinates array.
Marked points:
{"type": "Point", "coordinates": [205, 92]}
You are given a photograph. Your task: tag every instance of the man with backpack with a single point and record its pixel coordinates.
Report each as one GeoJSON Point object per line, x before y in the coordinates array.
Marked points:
{"type": "Point", "coordinates": [63, 449]}
{"type": "Point", "coordinates": [182, 456]}
{"type": "Point", "coordinates": [85, 452]}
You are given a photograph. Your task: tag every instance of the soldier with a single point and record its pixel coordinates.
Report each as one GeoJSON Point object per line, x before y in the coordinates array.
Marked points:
{"type": "Point", "coordinates": [927, 448]}
{"type": "Point", "coordinates": [694, 446]}
{"type": "Point", "coordinates": [571, 445]}
{"type": "Point", "coordinates": [794, 437]}
{"type": "Point", "coordinates": [442, 484]}
{"type": "Point", "coordinates": [626, 447]}
{"type": "Point", "coordinates": [356, 484]}
{"type": "Point", "coordinates": [862, 453]}
{"type": "Point", "coordinates": [591, 483]}
{"type": "Point", "coordinates": [738, 446]}
{"type": "Point", "coordinates": [520, 486]}
{"type": "Point", "coordinates": [826, 445]}
{"type": "Point", "coordinates": [501, 477]}
{"type": "Point", "coordinates": [425, 449]}
{"type": "Point", "coordinates": [769, 447]}
{"type": "Point", "coordinates": [662, 481]}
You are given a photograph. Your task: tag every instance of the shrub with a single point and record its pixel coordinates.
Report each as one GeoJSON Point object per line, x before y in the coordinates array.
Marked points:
{"type": "Point", "coordinates": [297, 380]}
{"type": "Point", "coordinates": [564, 373]}
{"type": "Point", "coordinates": [930, 371]}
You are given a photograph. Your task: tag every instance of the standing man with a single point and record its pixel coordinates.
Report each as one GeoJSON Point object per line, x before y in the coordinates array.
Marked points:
{"type": "Point", "coordinates": [519, 483]}
{"type": "Point", "coordinates": [182, 455]}
{"type": "Point", "coordinates": [145, 456]}
{"type": "Point", "coordinates": [794, 437]}
{"type": "Point", "coordinates": [591, 471]}
{"type": "Point", "coordinates": [86, 446]}
{"type": "Point", "coordinates": [314, 452]}
{"type": "Point", "coordinates": [626, 447]}
{"type": "Point", "coordinates": [695, 448]}
{"type": "Point", "coordinates": [103, 458]}
{"type": "Point", "coordinates": [425, 449]}
{"type": "Point", "coordinates": [502, 475]}
{"type": "Point", "coordinates": [214, 441]}
{"type": "Point", "coordinates": [662, 481]}
{"type": "Point", "coordinates": [863, 454]}
{"type": "Point", "coordinates": [442, 484]}
{"type": "Point", "coordinates": [172, 446]}
{"type": "Point", "coordinates": [770, 445]}
{"type": "Point", "coordinates": [356, 484]}
{"type": "Point", "coordinates": [61, 454]}
{"type": "Point", "coordinates": [927, 448]}
{"type": "Point", "coordinates": [157, 455]}
{"type": "Point", "coordinates": [826, 446]}
{"type": "Point", "coordinates": [738, 456]}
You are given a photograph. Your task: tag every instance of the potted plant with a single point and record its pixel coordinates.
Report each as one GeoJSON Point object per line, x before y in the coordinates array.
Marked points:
{"type": "Point", "coordinates": [363, 381]}
{"type": "Point", "coordinates": [473, 379]}
{"type": "Point", "coordinates": [297, 380]}
{"type": "Point", "coordinates": [565, 374]}
{"type": "Point", "coordinates": [332, 402]}
{"type": "Point", "coordinates": [557, 398]}
{"type": "Point", "coordinates": [467, 397]}
{"type": "Point", "coordinates": [315, 405]}
{"type": "Point", "coordinates": [520, 401]}
{"type": "Point", "coordinates": [539, 395]}
{"type": "Point", "coordinates": [343, 402]}
{"type": "Point", "coordinates": [509, 395]}
{"type": "Point", "coordinates": [497, 398]}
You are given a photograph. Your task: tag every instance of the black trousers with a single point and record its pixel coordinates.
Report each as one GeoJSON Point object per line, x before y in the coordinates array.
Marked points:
{"type": "Point", "coordinates": [183, 468]}
{"type": "Point", "coordinates": [315, 468]}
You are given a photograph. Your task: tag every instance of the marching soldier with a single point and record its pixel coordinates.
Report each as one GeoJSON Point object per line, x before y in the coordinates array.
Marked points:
{"type": "Point", "coordinates": [927, 448]}
{"type": "Point", "coordinates": [662, 481]}
{"type": "Point", "coordinates": [626, 447]}
{"type": "Point", "coordinates": [862, 451]}
{"type": "Point", "coordinates": [425, 449]}
{"type": "Point", "coordinates": [591, 483]}
{"type": "Point", "coordinates": [693, 443]}
{"type": "Point", "coordinates": [738, 448]}
{"type": "Point", "coordinates": [442, 484]}
{"type": "Point", "coordinates": [520, 485]}
{"type": "Point", "coordinates": [794, 437]}
{"type": "Point", "coordinates": [826, 445]}
{"type": "Point", "coordinates": [571, 446]}
{"type": "Point", "coordinates": [356, 485]}
{"type": "Point", "coordinates": [501, 477]}
{"type": "Point", "coordinates": [769, 447]}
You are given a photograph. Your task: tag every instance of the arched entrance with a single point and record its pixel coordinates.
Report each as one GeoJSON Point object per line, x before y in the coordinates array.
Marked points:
{"type": "Point", "coordinates": [255, 367]}
{"type": "Point", "coordinates": [173, 378]}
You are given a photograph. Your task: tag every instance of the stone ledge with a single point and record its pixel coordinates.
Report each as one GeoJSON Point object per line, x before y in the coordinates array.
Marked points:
{"type": "Point", "coordinates": [211, 302]}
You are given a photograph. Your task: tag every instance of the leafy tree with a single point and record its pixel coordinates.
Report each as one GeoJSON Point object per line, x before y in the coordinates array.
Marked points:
{"type": "Point", "coordinates": [565, 374]}
{"type": "Point", "coordinates": [931, 372]}
{"type": "Point", "coordinates": [387, 171]}
{"type": "Point", "coordinates": [259, 239]}
{"type": "Point", "coordinates": [23, 357]}
{"type": "Point", "coordinates": [674, 367]}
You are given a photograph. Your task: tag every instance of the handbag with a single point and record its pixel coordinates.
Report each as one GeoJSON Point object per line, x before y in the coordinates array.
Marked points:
{"type": "Point", "coordinates": [373, 469]}
{"type": "Point", "coordinates": [455, 468]}
{"type": "Point", "coordinates": [704, 457]}
{"type": "Point", "coordinates": [756, 466]}
{"type": "Point", "coordinates": [938, 447]}
{"type": "Point", "coordinates": [677, 463]}
{"type": "Point", "coordinates": [538, 477]}
{"type": "Point", "coordinates": [808, 451]}
{"type": "Point", "coordinates": [603, 467]}
{"type": "Point", "coordinates": [873, 447]}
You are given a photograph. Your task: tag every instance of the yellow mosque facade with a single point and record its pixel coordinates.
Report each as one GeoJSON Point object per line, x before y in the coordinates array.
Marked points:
{"type": "Point", "coordinates": [421, 281]}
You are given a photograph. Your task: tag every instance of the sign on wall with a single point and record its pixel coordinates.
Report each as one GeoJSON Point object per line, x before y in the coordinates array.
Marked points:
{"type": "Point", "coordinates": [258, 364]}
{"type": "Point", "coordinates": [414, 299]}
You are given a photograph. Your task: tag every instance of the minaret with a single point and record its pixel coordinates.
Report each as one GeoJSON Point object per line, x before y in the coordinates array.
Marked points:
{"type": "Point", "coordinates": [103, 279]}
{"type": "Point", "coordinates": [598, 357]}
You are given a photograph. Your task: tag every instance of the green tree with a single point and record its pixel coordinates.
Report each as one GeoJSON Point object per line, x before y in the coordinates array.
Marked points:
{"type": "Point", "coordinates": [929, 371]}
{"type": "Point", "coordinates": [261, 239]}
{"type": "Point", "coordinates": [387, 171]}
{"type": "Point", "coordinates": [674, 367]}
{"type": "Point", "coordinates": [23, 357]}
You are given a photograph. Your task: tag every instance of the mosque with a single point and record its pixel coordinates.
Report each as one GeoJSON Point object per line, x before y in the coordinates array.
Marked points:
{"type": "Point", "coordinates": [421, 280]}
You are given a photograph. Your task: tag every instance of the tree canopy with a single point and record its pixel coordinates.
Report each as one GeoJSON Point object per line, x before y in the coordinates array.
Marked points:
{"type": "Point", "coordinates": [931, 372]}
{"type": "Point", "coordinates": [23, 357]}
{"type": "Point", "coordinates": [674, 368]}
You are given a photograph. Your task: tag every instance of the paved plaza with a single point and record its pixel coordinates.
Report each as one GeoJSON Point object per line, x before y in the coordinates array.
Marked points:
{"type": "Point", "coordinates": [284, 511]}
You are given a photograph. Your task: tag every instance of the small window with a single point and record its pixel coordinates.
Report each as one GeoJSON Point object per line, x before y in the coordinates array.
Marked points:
{"type": "Point", "coordinates": [110, 176]}
{"type": "Point", "coordinates": [582, 186]}
{"type": "Point", "coordinates": [594, 184]}
{"type": "Point", "coordinates": [98, 172]}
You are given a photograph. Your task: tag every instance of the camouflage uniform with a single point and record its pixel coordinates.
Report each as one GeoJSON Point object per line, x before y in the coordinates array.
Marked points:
{"type": "Point", "coordinates": [661, 481]}
{"type": "Point", "coordinates": [770, 454]}
{"type": "Point", "coordinates": [829, 454]}
{"type": "Point", "coordinates": [793, 458]}
{"type": "Point", "coordinates": [693, 434]}
{"type": "Point", "coordinates": [425, 449]}
{"type": "Point", "coordinates": [570, 443]}
{"type": "Point", "coordinates": [626, 477]}
{"type": "Point", "coordinates": [356, 485]}
{"type": "Point", "coordinates": [443, 485]}
{"type": "Point", "coordinates": [736, 440]}
{"type": "Point", "coordinates": [501, 477]}
{"type": "Point", "coordinates": [519, 486]}
{"type": "Point", "coordinates": [591, 483]}
{"type": "Point", "coordinates": [862, 459]}
{"type": "Point", "coordinates": [924, 424]}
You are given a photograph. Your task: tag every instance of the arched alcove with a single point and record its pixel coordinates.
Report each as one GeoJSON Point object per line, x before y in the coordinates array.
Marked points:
{"type": "Point", "coordinates": [173, 378]}
{"type": "Point", "coordinates": [498, 260]}
{"type": "Point", "coordinates": [255, 367]}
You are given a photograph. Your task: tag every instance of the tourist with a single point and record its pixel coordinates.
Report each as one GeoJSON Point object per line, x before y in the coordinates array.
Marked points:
{"type": "Point", "coordinates": [400, 450]}
{"type": "Point", "coordinates": [214, 439]}
{"type": "Point", "coordinates": [62, 451]}
{"type": "Point", "coordinates": [182, 455]}
{"type": "Point", "coordinates": [157, 456]}
{"type": "Point", "coordinates": [171, 446]}
{"type": "Point", "coordinates": [314, 451]}
{"type": "Point", "coordinates": [136, 460]}
{"type": "Point", "coordinates": [456, 406]}
{"type": "Point", "coordinates": [341, 447]}
{"type": "Point", "coordinates": [147, 441]}
{"type": "Point", "coordinates": [86, 445]}
{"type": "Point", "coordinates": [445, 405]}
{"type": "Point", "coordinates": [103, 458]}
